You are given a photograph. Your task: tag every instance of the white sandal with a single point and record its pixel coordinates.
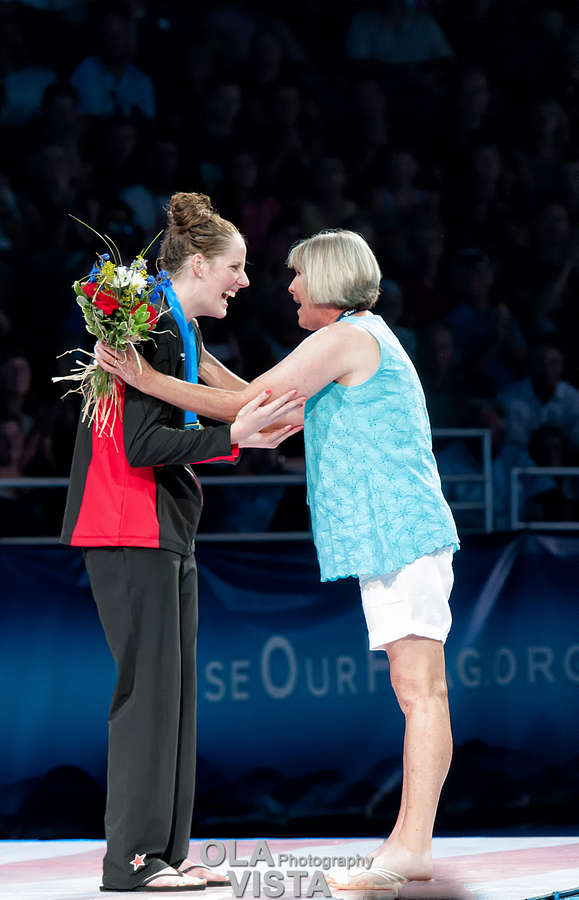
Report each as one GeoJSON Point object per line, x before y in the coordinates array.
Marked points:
{"type": "Point", "coordinates": [373, 879]}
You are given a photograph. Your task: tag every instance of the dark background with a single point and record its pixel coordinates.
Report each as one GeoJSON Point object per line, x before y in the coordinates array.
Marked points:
{"type": "Point", "coordinates": [453, 148]}
{"type": "Point", "coordinates": [450, 143]}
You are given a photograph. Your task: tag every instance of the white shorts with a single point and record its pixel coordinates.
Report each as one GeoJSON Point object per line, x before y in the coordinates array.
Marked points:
{"type": "Point", "coordinates": [411, 600]}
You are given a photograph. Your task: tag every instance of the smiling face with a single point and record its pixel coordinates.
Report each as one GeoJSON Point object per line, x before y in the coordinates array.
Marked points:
{"type": "Point", "coordinates": [222, 277]}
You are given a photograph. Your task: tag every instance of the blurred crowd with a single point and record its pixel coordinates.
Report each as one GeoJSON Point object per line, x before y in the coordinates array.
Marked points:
{"type": "Point", "coordinates": [445, 132]}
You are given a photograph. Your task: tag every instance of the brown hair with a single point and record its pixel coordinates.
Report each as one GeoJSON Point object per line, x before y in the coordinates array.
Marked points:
{"type": "Point", "coordinates": [194, 227]}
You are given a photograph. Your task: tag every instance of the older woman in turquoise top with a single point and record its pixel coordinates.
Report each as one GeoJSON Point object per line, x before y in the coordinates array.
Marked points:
{"type": "Point", "coordinates": [376, 505]}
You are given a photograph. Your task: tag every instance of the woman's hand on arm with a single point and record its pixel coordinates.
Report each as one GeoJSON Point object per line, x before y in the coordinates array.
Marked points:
{"type": "Point", "coordinates": [258, 414]}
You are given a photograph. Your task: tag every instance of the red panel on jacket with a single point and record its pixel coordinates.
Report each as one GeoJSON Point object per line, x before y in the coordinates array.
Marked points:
{"type": "Point", "coordinates": [119, 506]}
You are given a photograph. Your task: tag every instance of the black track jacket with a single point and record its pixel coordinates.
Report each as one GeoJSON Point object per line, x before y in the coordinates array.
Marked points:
{"type": "Point", "coordinates": [136, 489]}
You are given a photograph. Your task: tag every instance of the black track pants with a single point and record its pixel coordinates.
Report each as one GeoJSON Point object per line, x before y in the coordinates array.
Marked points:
{"type": "Point", "coordinates": [147, 603]}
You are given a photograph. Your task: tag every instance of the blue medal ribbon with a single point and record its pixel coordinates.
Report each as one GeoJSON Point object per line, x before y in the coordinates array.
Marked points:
{"type": "Point", "coordinates": [189, 344]}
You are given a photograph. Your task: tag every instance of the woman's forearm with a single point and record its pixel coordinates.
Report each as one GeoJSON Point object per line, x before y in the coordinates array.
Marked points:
{"type": "Point", "coordinates": [322, 357]}
{"type": "Point", "coordinates": [212, 402]}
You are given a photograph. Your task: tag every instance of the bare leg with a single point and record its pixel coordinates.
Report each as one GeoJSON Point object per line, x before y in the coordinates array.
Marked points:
{"type": "Point", "coordinates": [401, 812]}
{"type": "Point", "coordinates": [417, 673]}
{"type": "Point", "coordinates": [418, 677]}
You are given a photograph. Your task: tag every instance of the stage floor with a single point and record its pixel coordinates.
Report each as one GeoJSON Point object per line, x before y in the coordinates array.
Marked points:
{"type": "Point", "coordinates": [494, 868]}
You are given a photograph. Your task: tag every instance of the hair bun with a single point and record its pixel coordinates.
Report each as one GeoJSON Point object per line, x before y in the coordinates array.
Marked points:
{"type": "Point", "coordinates": [194, 227]}
{"type": "Point", "coordinates": [186, 211]}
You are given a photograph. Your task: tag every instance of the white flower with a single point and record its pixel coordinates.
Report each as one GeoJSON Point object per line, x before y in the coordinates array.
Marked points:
{"type": "Point", "coordinates": [126, 277]}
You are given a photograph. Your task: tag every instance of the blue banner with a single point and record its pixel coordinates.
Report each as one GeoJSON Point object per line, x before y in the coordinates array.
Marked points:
{"type": "Point", "coordinates": [296, 716]}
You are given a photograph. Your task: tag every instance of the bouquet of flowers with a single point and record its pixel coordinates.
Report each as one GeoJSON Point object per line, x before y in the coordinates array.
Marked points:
{"type": "Point", "coordinates": [117, 303]}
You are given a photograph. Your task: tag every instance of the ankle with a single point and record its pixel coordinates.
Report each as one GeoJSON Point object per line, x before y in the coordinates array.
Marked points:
{"type": "Point", "coordinates": [412, 849]}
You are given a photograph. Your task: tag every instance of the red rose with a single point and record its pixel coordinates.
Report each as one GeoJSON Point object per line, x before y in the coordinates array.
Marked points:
{"type": "Point", "coordinates": [89, 288]}
{"type": "Point", "coordinates": [105, 301]}
{"type": "Point", "coordinates": [152, 315]}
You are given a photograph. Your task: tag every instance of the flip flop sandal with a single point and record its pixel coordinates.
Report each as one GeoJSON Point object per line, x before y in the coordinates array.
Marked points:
{"type": "Point", "coordinates": [208, 881]}
{"type": "Point", "coordinates": [374, 879]}
{"type": "Point", "coordinates": [157, 889]}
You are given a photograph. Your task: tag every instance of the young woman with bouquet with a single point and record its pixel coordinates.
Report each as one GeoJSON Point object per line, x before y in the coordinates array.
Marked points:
{"type": "Point", "coordinates": [134, 505]}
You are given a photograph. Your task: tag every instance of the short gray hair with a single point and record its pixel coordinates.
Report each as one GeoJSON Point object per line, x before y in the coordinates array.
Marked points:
{"type": "Point", "coordinates": [339, 269]}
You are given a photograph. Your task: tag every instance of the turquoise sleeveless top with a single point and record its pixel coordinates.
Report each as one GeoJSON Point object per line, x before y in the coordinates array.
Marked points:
{"type": "Point", "coordinates": [374, 491]}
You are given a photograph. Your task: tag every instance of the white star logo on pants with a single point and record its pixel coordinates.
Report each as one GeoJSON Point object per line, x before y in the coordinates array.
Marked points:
{"type": "Point", "coordinates": [138, 861]}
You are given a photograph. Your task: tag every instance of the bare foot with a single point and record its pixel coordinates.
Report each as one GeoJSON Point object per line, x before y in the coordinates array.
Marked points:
{"type": "Point", "coordinates": [210, 876]}
{"type": "Point", "coordinates": [391, 859]}
{"type": "Point", "coordinates": [374, 853]}
{"type": "Point", "coordinates": [170, 877]}
{"type": "Point", "coordinates": [394, 856]}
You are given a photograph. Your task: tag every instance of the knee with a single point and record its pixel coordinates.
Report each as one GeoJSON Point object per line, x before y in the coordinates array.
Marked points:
{"type": "Point", "coordinates": [414, 687]}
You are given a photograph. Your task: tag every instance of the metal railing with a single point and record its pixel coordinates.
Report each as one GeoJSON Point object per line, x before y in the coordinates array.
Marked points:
{"type": "Point", "coordinates": [517, 496]}
{"type": "Point", "coordinates": [484, 478]}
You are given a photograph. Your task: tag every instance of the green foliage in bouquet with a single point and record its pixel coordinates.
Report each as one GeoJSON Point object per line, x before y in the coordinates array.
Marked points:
{"type": "Point", "coordinates": [120, 306]}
